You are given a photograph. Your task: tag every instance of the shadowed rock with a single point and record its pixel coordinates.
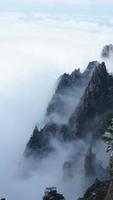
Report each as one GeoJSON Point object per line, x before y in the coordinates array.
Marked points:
{"type": "Point", "coordinates": [92, 166]}
{"type": "Point", "coordinates": [107, 51]}
{"type": "Point", "coordinates": [95, 104]}
{"type": "Point", "coordinates": [97, 191]}
{"type": "Point", "coordinates": [77, 109]}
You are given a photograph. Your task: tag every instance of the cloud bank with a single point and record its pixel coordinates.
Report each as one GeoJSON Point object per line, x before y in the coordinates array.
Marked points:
{"type": "Point", "coordinates": [34, 51]}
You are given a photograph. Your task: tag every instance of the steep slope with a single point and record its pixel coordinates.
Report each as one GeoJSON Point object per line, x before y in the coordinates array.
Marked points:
{"type": "Point", "coordinates": [77, 109]}
{"type": "Point", "coordinates": [69, 90]}
{"type": "Point", "coordinates": [101, 190]}
{"type": "Point", "coordinates": [95, 104]}
{"type": "Point", "coordinates": [97, 191]}
{"type": "Point", "coordinates": [64, 101]}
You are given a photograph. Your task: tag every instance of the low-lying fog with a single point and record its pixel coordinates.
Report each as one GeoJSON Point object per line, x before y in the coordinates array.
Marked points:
{"type": "Point", "coordinates": [33, 53]}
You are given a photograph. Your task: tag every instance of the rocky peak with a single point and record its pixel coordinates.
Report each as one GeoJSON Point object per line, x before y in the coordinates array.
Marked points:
{"type": "Point", "coordinates": [78, 105]}
{"type": "Point", "coordinates": [64, 82]}
{"type": "Point", "coordinates": [96, 101]}
{"type": "Point", "coordinates": [68, 80]}
{"type": "Point", "coordinates": [107, 51]}
{"type": "Point", "coordinates": [90, 68]}
{"type": "Point", "coordinates": [75, 74]}
{"type": "Point", "coordinates": [34, 141]}
{"type": "Point", "coordinates": [71, 85]}
{"type": "Point", "coordinates": [36, 131]}
{"type": "Point", "coordinates": [65, 98]}
{"type": "Point", "coordinates": [99, 77]}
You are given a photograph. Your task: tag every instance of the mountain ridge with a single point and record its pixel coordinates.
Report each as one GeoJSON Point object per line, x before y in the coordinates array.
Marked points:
{"type": "Point", "coordinates": [79, 99]}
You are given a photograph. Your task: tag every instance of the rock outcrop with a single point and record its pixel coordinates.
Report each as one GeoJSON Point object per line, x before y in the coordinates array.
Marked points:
{"type": "Point", "coordinates": [77, 109]}
{"type": "Point", "coordinates": [95, 104]}
{"type": "Point", "coordinates": [107, 51]}
{"type": "Point", "coordinates": [93, 167]}
{"type": "Point", "coordinates": [65, 99]}
{"type": "Point", "coordinates": [68, 92]}
{"type": "Point", "coordinates": [97, 191]}
{"type": "Point", "coordinates": [109, 194]}
{"type": "Point", "coordinates": [101, 190]}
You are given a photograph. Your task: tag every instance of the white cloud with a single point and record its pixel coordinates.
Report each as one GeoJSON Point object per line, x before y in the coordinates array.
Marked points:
{"type": "Point", "coordinates": [33, 53]}
{"type": "Point", "coordinates": [40, 40]}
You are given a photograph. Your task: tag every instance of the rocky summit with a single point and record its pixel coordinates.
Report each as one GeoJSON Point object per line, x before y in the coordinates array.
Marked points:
{"type": "Point", "coordinates": [80, 115]}
{"type": "Point", "coordinates": [78, 108]}
{"type": "Point", "coordinates": [107, 51]}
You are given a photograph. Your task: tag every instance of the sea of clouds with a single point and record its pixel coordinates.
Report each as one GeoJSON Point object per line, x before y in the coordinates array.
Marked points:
{"type": "Point", "coordinates": [35, 49]}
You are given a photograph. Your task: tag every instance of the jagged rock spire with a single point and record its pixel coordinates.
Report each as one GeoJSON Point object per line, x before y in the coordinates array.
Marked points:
{"type": "Point", "coordinates": [96, 101]}
{"type": "Point", "coordinates": [79, 101]}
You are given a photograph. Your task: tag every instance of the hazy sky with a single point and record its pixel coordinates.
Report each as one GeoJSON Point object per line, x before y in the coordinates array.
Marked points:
{"type": "Point", "coordinates": [71, 7]}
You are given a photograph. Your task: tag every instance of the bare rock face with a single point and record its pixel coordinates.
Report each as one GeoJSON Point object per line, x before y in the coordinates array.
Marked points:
{"type": "Point", "coordinates": [77, 108]}
{"type": "Point", "coordinates": [101, 190]}
{"type": "Point", "coordinates": [39, 143]}
{"type": "Point", "coordinates": [107, 51]}
{"type": "Point", "coordinates": [64, 101]}
{"type": "Point", "coordinates": [66, 98]}
{"type": "Point", "coordinates": [92, 166]}
{"type": "Point", "coordinates": [97, 191]}
{"type": "Point", "coordinates": [96, 102]}
{"type": "Point", "coordinates": [109, 194]}
{"type": "Point", "coordinates": [90, 163]}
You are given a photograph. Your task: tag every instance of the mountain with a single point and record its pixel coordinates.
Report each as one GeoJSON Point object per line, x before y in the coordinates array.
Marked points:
{"type": "Point", "coordinates": [80, 114]}
{"type": "Point", "coordinates": [67, 94]}
{"type": "Point", "coordinates": [95, 105]}
{"type": "Point", "coordinates": [101, 190]}
{"type": "Point", "coordinates": [107, 51]}
{"type": "Point", "coordinates": [78, 108]}
{"type": "Point", "coordinates": [97, 191]}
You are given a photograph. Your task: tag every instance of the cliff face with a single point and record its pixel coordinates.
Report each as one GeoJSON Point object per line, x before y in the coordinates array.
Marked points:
{"type": "Point", "coordinates": [95, 104]}
{"type": "Point", "coordinates": [101, 190]}
{"type": "Point", "coordinates": [92, 166]}
{"type": "Point", "coordinates": [97, 191]}
{"type": "Point", "coordinates": [78, 107]}
{"type": "Point", "coordinates": [67, 95]}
